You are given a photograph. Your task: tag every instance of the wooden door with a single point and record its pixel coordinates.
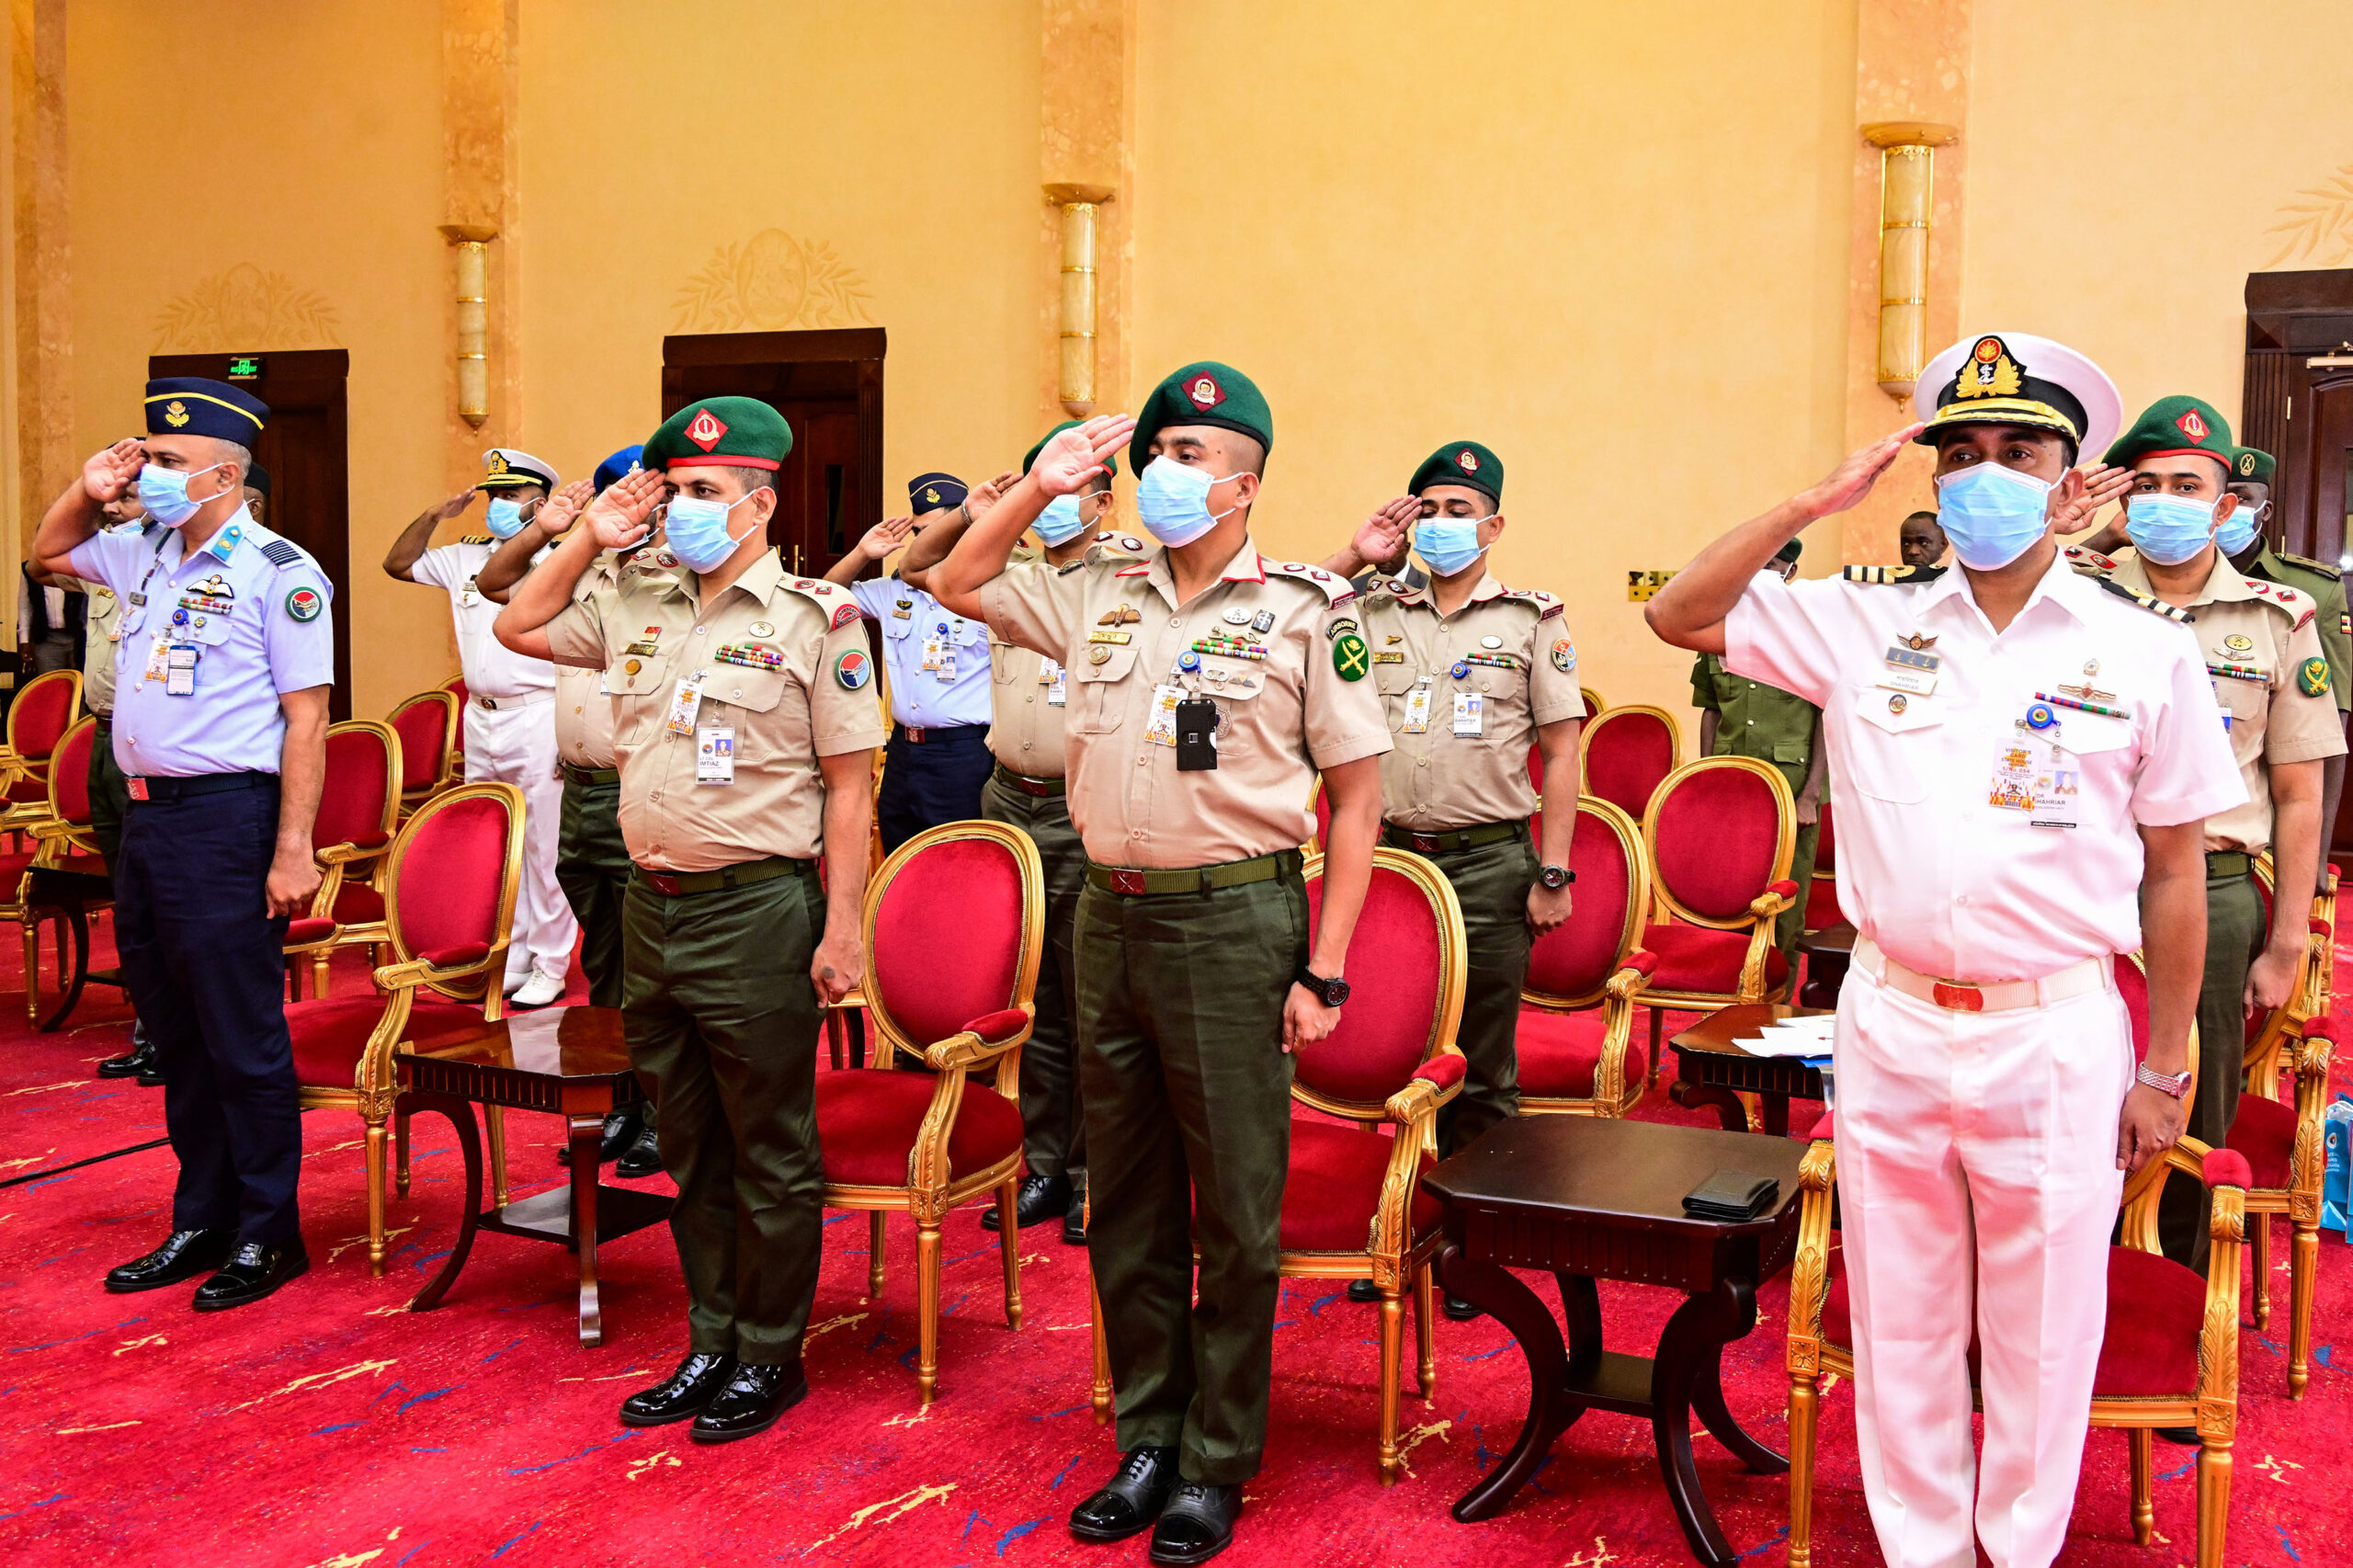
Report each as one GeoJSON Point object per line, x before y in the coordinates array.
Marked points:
{"type": "Point", "coordinates": [303, 447]}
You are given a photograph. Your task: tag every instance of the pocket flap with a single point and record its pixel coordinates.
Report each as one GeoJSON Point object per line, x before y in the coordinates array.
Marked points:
{"type": "Point", "coordinates": [636, 674]}
{"type": "Point", "coordinates": [755, 692]}
{"type": "Point", "coordinates": [1876, 706]}
{"type": "Point", "coordinates": [1116, 668]}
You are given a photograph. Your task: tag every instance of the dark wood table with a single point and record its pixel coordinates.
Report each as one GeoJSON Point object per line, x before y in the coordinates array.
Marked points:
{"type": "Point", "coordinates": [570, 1061]}
{"type": "Point", "coordinates": [1592, 1198]}
{"type": "Point", "coordinates": [1827, 953]}
{"type": "Point", "coordinates": [1711, 1069]}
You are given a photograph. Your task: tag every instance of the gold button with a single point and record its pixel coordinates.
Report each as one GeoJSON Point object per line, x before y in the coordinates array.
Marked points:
{"type": "Point", "coordinates": [630, 668]}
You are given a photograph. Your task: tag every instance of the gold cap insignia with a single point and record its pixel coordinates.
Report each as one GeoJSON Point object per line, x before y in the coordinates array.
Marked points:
{"type": "Point", "coordinates": [2191, 426]}
{"type": "Point", "coordinates": [1205, 392]}
{"type": "Point", "coordinates": [705, 429]}
{"type": "Point", "coordinates": [497, 463]}
{"type": "Point", "coordinates": [175, 413]}
{"type": "Point", "coordinates": [1467, 460]}
{"type": "Point", "coordinates": [2247, 462]}
{"type": "Point", "coordinates": [931, 493]}
{"type": "Point", "coordinates": [1991, 371]}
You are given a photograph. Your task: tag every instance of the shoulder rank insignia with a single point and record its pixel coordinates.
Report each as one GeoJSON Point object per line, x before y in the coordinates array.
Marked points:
{"type": "Point", "coordinates": [1067, 567]}
{"type": "Point", "coordinates": [2153, 606]}
{"type": "Point", "coordinates": [1336, 590]}
{"type": "Point", "coordinates": [475, 539]}
{"type": "Point", "coordinates": [2309, 564]}
{"type": "Point", "coordinates": [1885, 574]}
{"type": "Point", "coordinates": [283, 554]}
{"type": "Point", "coordinates": [2090, 563]}
{"type": "Point", "coordinates": [809, 588]}
{"type": "Point", "coordinates": [1545, 605]}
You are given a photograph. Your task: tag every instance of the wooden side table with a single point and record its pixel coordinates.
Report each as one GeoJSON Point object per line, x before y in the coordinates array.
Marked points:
{"type": "Point", "coordinates": [1712, 1069]}
{"type": "Point", "coordinates": [1827, 953]}
{"type": "Point", "coordinates": [1592, 1198]}
{"type": "Point", "coordinates": [570, 1061]}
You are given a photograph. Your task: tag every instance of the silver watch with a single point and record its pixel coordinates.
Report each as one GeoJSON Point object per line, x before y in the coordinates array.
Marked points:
{"type": "Point", "coordinates": [2174, 1083]}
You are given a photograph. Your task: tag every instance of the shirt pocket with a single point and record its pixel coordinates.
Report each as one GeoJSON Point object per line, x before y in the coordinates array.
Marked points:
{"type": "Point", "coordinates": [1000, 663]}
{"type": "Point", "coordinates": [642, 682]}
{"type": "Point", "coordinates": [748, 699]}
{"type": "Point", "coordinates": [1103, 690]}
{"type": "Point", "coordinates": [1888, 756]}
{"type": "Point", "coordinates": [2247, 701]}
{"type": "Point", "coordinates": [2088, 734]}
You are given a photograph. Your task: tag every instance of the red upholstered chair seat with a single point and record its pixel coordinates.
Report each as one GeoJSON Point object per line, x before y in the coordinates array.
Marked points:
{"type": "Point", "coordinates": [12, 867]}
{"type": "Point", "coordinates": [2156, 1311]}
{"type": "Point", "coordinates": [28, 792]}
{"type": "Point", "coordinates": [1560, 1052]}
{"type": "Point", "coordinates": [302, 933]}
{"type": "Point", "coordinates": [2266, 1133]}
{"type": "Point", "coordinates": [866, 1124]}
{"type": "Point", "coordinates": [330, 1036]}
{"type": "Point", "coordinates": [356, 904]}
{"type": "Point", "coordinates": [1696, 957]}
{"type": "Point", "coordinates": [1821, 910]}
{"type": "Point", "coordinates": [1335, 1187]}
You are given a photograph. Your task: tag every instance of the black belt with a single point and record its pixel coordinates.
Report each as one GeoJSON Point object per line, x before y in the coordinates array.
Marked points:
{"type": "Point", "coordinates": [2222, 863]}
{"type": "Point", "coordinates": [1044, 789]}
{"type": "Point", "coordinates": [937, 733]}
{"type": "Point", "coordinates": [200, 784]}
{"type": "Point", "coordinates": [105, 722]}
{"type": "Point", "coordinates": [671, 885]}
{"type": "Point", "coordinates": [1453, 839]}
{"type": "Point", "coordinates": [1139, 883]}
{"type": "Point", "coordinates": [589, 774]}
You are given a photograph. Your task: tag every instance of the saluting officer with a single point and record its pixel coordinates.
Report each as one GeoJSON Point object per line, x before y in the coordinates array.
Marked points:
{"type": "Point", "coordinates": [1207, 684]}
{"type": "Point", "coordinates": [2023, 758]}
{"type": "Point", "coordinates": [510, 713]}
{"type": "Point", "coordinates": [1740, 717]}
{"type": "Point", "coordinates": [221, 718]}
{"type": "Point", "coordinates": [2241, 537]}
{"type": "Point", "coordinates": [2263, 651]}
{"type": "Point", "coordinates": [937, 760]}
{"type": "Point", "coordinates": [745, 726]}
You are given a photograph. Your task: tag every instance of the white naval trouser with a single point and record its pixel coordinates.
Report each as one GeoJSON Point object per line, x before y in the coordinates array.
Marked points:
{"type": "Point", "coordinates": [1976, 1167]}
{"type": "Point", "coordinates": [517, 745]}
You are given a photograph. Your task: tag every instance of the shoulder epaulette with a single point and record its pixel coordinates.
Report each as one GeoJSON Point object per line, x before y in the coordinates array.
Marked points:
{"type": "Point", "coordinates": [2294, 603]}
{"type": "Point", "coordinates": [2331, 573]}
{"type": "Point", "coordinates": [1395, 587]}
{"type": "Point", "coordinates": [1109, 542]}
{"type": "Point", "coordinates": [2153, 606]}
{"type": "Point", "coordinates": [1335, 589]}
{"type": "Point", "coordinates": [2090, 563]}
{"type": "Point", "coordinates": [1545, 605]}
{"type": "Point", "coordinates": [285, 554]}
{"type": "Point", "coordinates": [474, 538]}
{"type": "Point", "coordinates": [1067, 567]}
{"type": "Point", "coordinates": [1914, 575]}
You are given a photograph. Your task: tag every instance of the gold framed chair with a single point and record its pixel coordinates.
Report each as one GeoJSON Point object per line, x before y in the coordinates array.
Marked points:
{"type": "Point", "coordinates": [431, 759]}
{"type": "Point", "coordinates": [1628, 753]}
{"type": "Point", "coordinates": [359, 803]}
{"type": "Point", "coordinates": [45, 708]}
{"type": "Point", "coordinates": [63, 880]}
{"type": "Point", "coordinates": [1576, 1012]}
{"type": "Point", "coordinates": [1595, 703]}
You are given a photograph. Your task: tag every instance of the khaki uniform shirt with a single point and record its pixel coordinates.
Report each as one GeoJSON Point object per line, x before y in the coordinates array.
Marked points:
{"type": "Point", "coordinates": [1113, 622]}
{"type": "Point", "coordinates": [2326, 591]}
{"type": "Point", "coordinates": [2276, 705]}
{"type": "Point", "coordinates": [784, 674]}
{"type": "Point", "coordinates": [105, 631]}
{"type": "Point", "coordinates": [1029, 693]}
{"type": "Point", "coordinates": [1452, 768]}
{"type": "Point", "coordinates": [584, 708]}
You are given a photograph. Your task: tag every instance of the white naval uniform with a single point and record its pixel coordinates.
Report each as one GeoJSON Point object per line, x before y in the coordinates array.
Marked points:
{"type": "Point", "coordinates": [510, 737]}
{"type": "Point", "coordinates": [1977, 1151]}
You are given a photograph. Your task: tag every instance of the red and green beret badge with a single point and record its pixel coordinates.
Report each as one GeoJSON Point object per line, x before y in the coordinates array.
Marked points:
{"type": "Point", "coordinates": [2312, 678]}
{"type": "Point", "coordinates": [304, 604]}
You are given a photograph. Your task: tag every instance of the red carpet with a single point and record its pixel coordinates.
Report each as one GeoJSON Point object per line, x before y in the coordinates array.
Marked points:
{"type": "Point", "coordinates": [328, 1426]}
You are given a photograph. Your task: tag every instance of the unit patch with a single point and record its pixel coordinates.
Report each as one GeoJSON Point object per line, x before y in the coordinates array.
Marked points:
{"type": "Point", "coordinates": [2312, 678]}
{"type": "Point", "coordinates": [853, 670]}
{"type": "Point", "coordinates": [304, 604]}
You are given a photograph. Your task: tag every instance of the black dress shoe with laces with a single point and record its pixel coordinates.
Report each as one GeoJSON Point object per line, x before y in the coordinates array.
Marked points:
{"type": "Point", "coordinates": [750, 1403]}
{"type": "Point", "coordinates": [643, 1155]}
{"type": "Point", "coordinates": [1075, 1220]}
{"type": "Point", "coordinates": [619, 1132]}
{"type": "Point", "coordinates": [1198, 1524]}
{"type": "Point", "coordinates": [1129, 1502]}
{"type": "Point", "coordinates": [681, 1396]}
{"type": "Point", "coordinates": [1040, 1199]}
{"type": "Point", "coordinates": [184, 1255]}
{"type": "Point", "coordinates": [135, 1063]}
{"type": "Point", "coordinates": [253, 1271]}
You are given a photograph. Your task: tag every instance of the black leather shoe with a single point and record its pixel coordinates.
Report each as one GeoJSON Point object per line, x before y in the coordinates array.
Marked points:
{"type": "Point", "coordinates": [253, 1271]}
{"type": "Point", "coordinates": [1461, 1310]}
{"type": "Point", "coordinates": [750, 1403]}
{"type": "Point", "coordinates": [619, 1132]}
{"type": "Point", "coordinates": [682, 1395]}
{"type": "Point", "coordinates": [643, 1157]}
{"type": "Point", "coordinates": [138, 1061]}
{"type": "Point", "coordinates": [1074, 1221]}
{"type": "Point", "coordinates": [184, 1255]}
{"type": "Point", "coordinates": [2186, 1436]}
{"type": "Point", "coordinates": [1129, 1502]}
{"type": "Point", "coordinates": [1363, 1290]}
{"type": "Point", "coordinates": [1040, 1199]}
{"type": "Point", "coordinates": [152, 1075]}
{"type": "Point", "coordinates": [1198, 1524]}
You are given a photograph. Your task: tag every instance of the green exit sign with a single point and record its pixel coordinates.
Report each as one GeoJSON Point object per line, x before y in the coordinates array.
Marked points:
{"type": "Point", "coordinates": [245, 366]}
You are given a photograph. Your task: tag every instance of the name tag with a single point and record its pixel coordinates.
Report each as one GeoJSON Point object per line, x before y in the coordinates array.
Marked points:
{"type": "Point", "coordinates": [1470, 710]}
{"type": "Point", "coordinates": [1908, 669]}
{"type": "Point", "coordinates": [685, 700]}
{"type": "Point", "coordinates": [1162, 729]}
{"type": "Point", "coordinates": [1056, 681]}
{"type": "Point", "coordinates": [180, 673]}
{"type": "Point", "coordinates": [155, 656]}
{"type": "Point", "coordinates": [1418, 710]}
{"type": "Point", "coordinates": [2038, 779]}
{"type": "Point", "coordinates": [715, 755]}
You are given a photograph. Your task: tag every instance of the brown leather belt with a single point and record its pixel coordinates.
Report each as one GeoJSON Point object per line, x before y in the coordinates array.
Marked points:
{"type": "Point", "coordinates": [1138, 883]}
{"type": "Point", "coordinates": [1044, 789]}
{"type": "Point", "coordinates": [673, 884]}
{"type": "Point", "coordinates": [1453, 839]}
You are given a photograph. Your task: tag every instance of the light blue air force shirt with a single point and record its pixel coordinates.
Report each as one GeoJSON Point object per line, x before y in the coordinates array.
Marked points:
{"type": "Point", "coordinates": [917, 628]}
{"type": "Point", "coordinates": [252, 609]}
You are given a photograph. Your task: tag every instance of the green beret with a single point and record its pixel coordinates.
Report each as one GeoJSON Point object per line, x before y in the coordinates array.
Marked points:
{"type": "Point", "coordinates": [2174, 424]}
{"type": "Point", "coordinates": [1029, 458]}
{"type": "Point", "coordinates": [1204, 392]}
{"type": "Point", "coordinates": [728, 432]}
{"type": "Point", "coordinates": [1461, 462]}
{"type": "Point", "coordinates": [2253, 467]}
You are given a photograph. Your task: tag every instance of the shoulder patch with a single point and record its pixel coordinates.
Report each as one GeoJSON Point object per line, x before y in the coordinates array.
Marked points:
{"type": "Point", "coordinates": [1912, 575]}
{"type": "Point", "coordinates": [844, 616]}
{"type": "Point", "coordinates": [2154, 606]}
{"type": "Point", "coordinates": [1335, 589]}
{"type": "Point", "coordinates": [2331, 573]}
{"type": "Point", "coordinates": [475, 539]}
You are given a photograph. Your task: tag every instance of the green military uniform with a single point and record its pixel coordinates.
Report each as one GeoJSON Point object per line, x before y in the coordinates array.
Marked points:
{"type": "Point", "coordinates": [1464, 694]}
{"type": "Point", "coordinates": [724, 912]}
{"type": "Point", "coordinates": [1192, 926]}
{"type": "Point", "coordinates": [2262, 648]}
{"type": "Point", "coordinates": [1760, 721]}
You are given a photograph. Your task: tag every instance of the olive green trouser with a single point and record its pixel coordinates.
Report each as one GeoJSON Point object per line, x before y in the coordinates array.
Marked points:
{"type": "Point", "coordinates": [1186, 1091]}
{"type": "Point", "coordinates": [1791, 924]}
{"type": "Point", "coordinates": [2235, 935]}
{"type": "Point", "coordinates": [720, 1014]}
{"type": "Point", "coordinates": [592, 865]}
{"type": "Point", "coordinates": [109, 796]}
{"type": "Point", "coordinates": [1054, 1139]}
{"type": "Point", "coordinates": [1491, 882]}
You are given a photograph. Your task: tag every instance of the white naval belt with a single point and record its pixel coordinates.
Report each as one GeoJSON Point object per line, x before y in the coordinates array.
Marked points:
{"type": "Point", "coordinates": [496, 704]}
{"type": "Point", "coordinates": [2078, 979]}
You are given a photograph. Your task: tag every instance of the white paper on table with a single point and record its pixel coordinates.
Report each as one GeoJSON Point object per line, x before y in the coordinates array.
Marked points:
{"type": "Point", "coordinates": [1794, 1036]}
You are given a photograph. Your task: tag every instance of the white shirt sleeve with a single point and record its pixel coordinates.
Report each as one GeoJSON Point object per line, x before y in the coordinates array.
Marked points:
{"type": "Point", "coordinates": [442, 567]}
{"type": "Point", "coordinates": [114, 557]}
{"type": "Point", "coordinates": [1786, 633]}
{"type": "Point", "coordinates": [876, 595]}
{"type": "Point", "coordinates": [2188, 773]}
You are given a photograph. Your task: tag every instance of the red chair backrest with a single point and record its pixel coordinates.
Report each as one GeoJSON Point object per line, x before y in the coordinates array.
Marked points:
{"type": "Point", "coordinates": [1323, 815]}
{"type": "Point", "coordinates": [1719, 834]}
{"type": "Point", "coordinates": [453, 872]}
{"type": "Point", "coordinates": [359, 795]}
{"type": "Point", "coordinates": [1592, 703]}
{"type": "Point", "coordinates": [1629, 752]}
{"type": "Point", "coordinates": [423, 725]}
{"type": "Point", "coordinates": [1536, 769]}
{"type": "Point", "coordinates": [69, 774]}
{"type": "Point", "coordinates": [1570, 964]}
{"type": "Point", "coordinates": [1825, 846]}
{"type": "Point", "coordinates": [954, 933]}
{"type": "Point", "coordinates": [456, 686]}
{"type": "Point", "coordinates": [39, 718]}
{"type": "Point", "coordinates": [1405, 971]}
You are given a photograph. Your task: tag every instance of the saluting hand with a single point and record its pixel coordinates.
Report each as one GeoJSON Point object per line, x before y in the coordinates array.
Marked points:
{"type": "Point", "coordinates": [454, 505]}
{"type": "Point", "coordinates": [885, 537]}
{"type": "Point", "coordinates": [1070, 461]}
{"type": "Point", "coordinates": [617, 516]}
{"type": "Point", "coordinates": [109, 474]}
{"type": "Point", "coordinates": [2083, 493]}
{"type": "Point", "coordinates": [1306, 1019]}
{"type": "Point", "coordinates": [1381, 539]}
{"type": "Point", "coordinates": [1852, 480]}
{"type": "Point", "coordinates": [988, 493]}
{"type": "Point", "coordinates": [556, 513]}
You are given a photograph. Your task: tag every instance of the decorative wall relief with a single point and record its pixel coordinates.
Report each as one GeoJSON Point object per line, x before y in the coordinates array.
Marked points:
{"type": "Point", "coordinates": [246, 308]}
{"type": "Point", "coordinates": [770, 282]}
{"type": "Point", "coordinates": [2317, 228]}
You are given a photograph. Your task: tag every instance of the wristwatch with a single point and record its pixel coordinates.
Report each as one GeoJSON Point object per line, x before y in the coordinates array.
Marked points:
{"type": "Point", "coordinates": [2174, 1083]}
{"type": "Point", "coordinates": [1331, 992]}
{"type": "Point", "coordinates": [1556, 876]}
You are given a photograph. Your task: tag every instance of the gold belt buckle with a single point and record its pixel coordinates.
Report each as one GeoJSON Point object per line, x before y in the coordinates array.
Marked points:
{"type": "Point", "coordinates": [1959, 999]}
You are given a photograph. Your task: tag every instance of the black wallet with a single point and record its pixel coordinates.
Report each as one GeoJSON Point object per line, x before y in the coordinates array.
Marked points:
{"type": "Point", "coordinates": [1731, 1195]}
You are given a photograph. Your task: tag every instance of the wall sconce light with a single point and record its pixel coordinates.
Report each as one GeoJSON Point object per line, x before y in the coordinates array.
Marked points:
{"type": "Point", "coordinates": [1081, 206]}
{"type": "Point", "coordinates": [1906, 201]}
{"type": "Point", "coordinates": [472, 241]}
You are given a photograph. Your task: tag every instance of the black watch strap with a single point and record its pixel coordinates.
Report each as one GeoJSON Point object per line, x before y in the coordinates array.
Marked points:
{"type": "Point", "coordinates": [1331, 992]}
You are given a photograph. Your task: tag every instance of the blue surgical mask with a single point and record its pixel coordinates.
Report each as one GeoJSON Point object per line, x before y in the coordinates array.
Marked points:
{"type": "Point", "coordinates": [1993, 515]}
{"type": "Point", "coordinates": [163, 492]}
{"type": "Point", "coordinates": [698, 535]}
{"type": "Point", "coordinates": [1060, 522]}
{"type": "Point", "coordinates": [1173, 501]}
{"type": "Point", "coordinates": [2239, 529]}
{"type": "Point", "coordinates": [505, 518]}
{"type": "Point", "coordinates": [2168, 529]}
{"type": "Point", "coordinates": [1446, 545]}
